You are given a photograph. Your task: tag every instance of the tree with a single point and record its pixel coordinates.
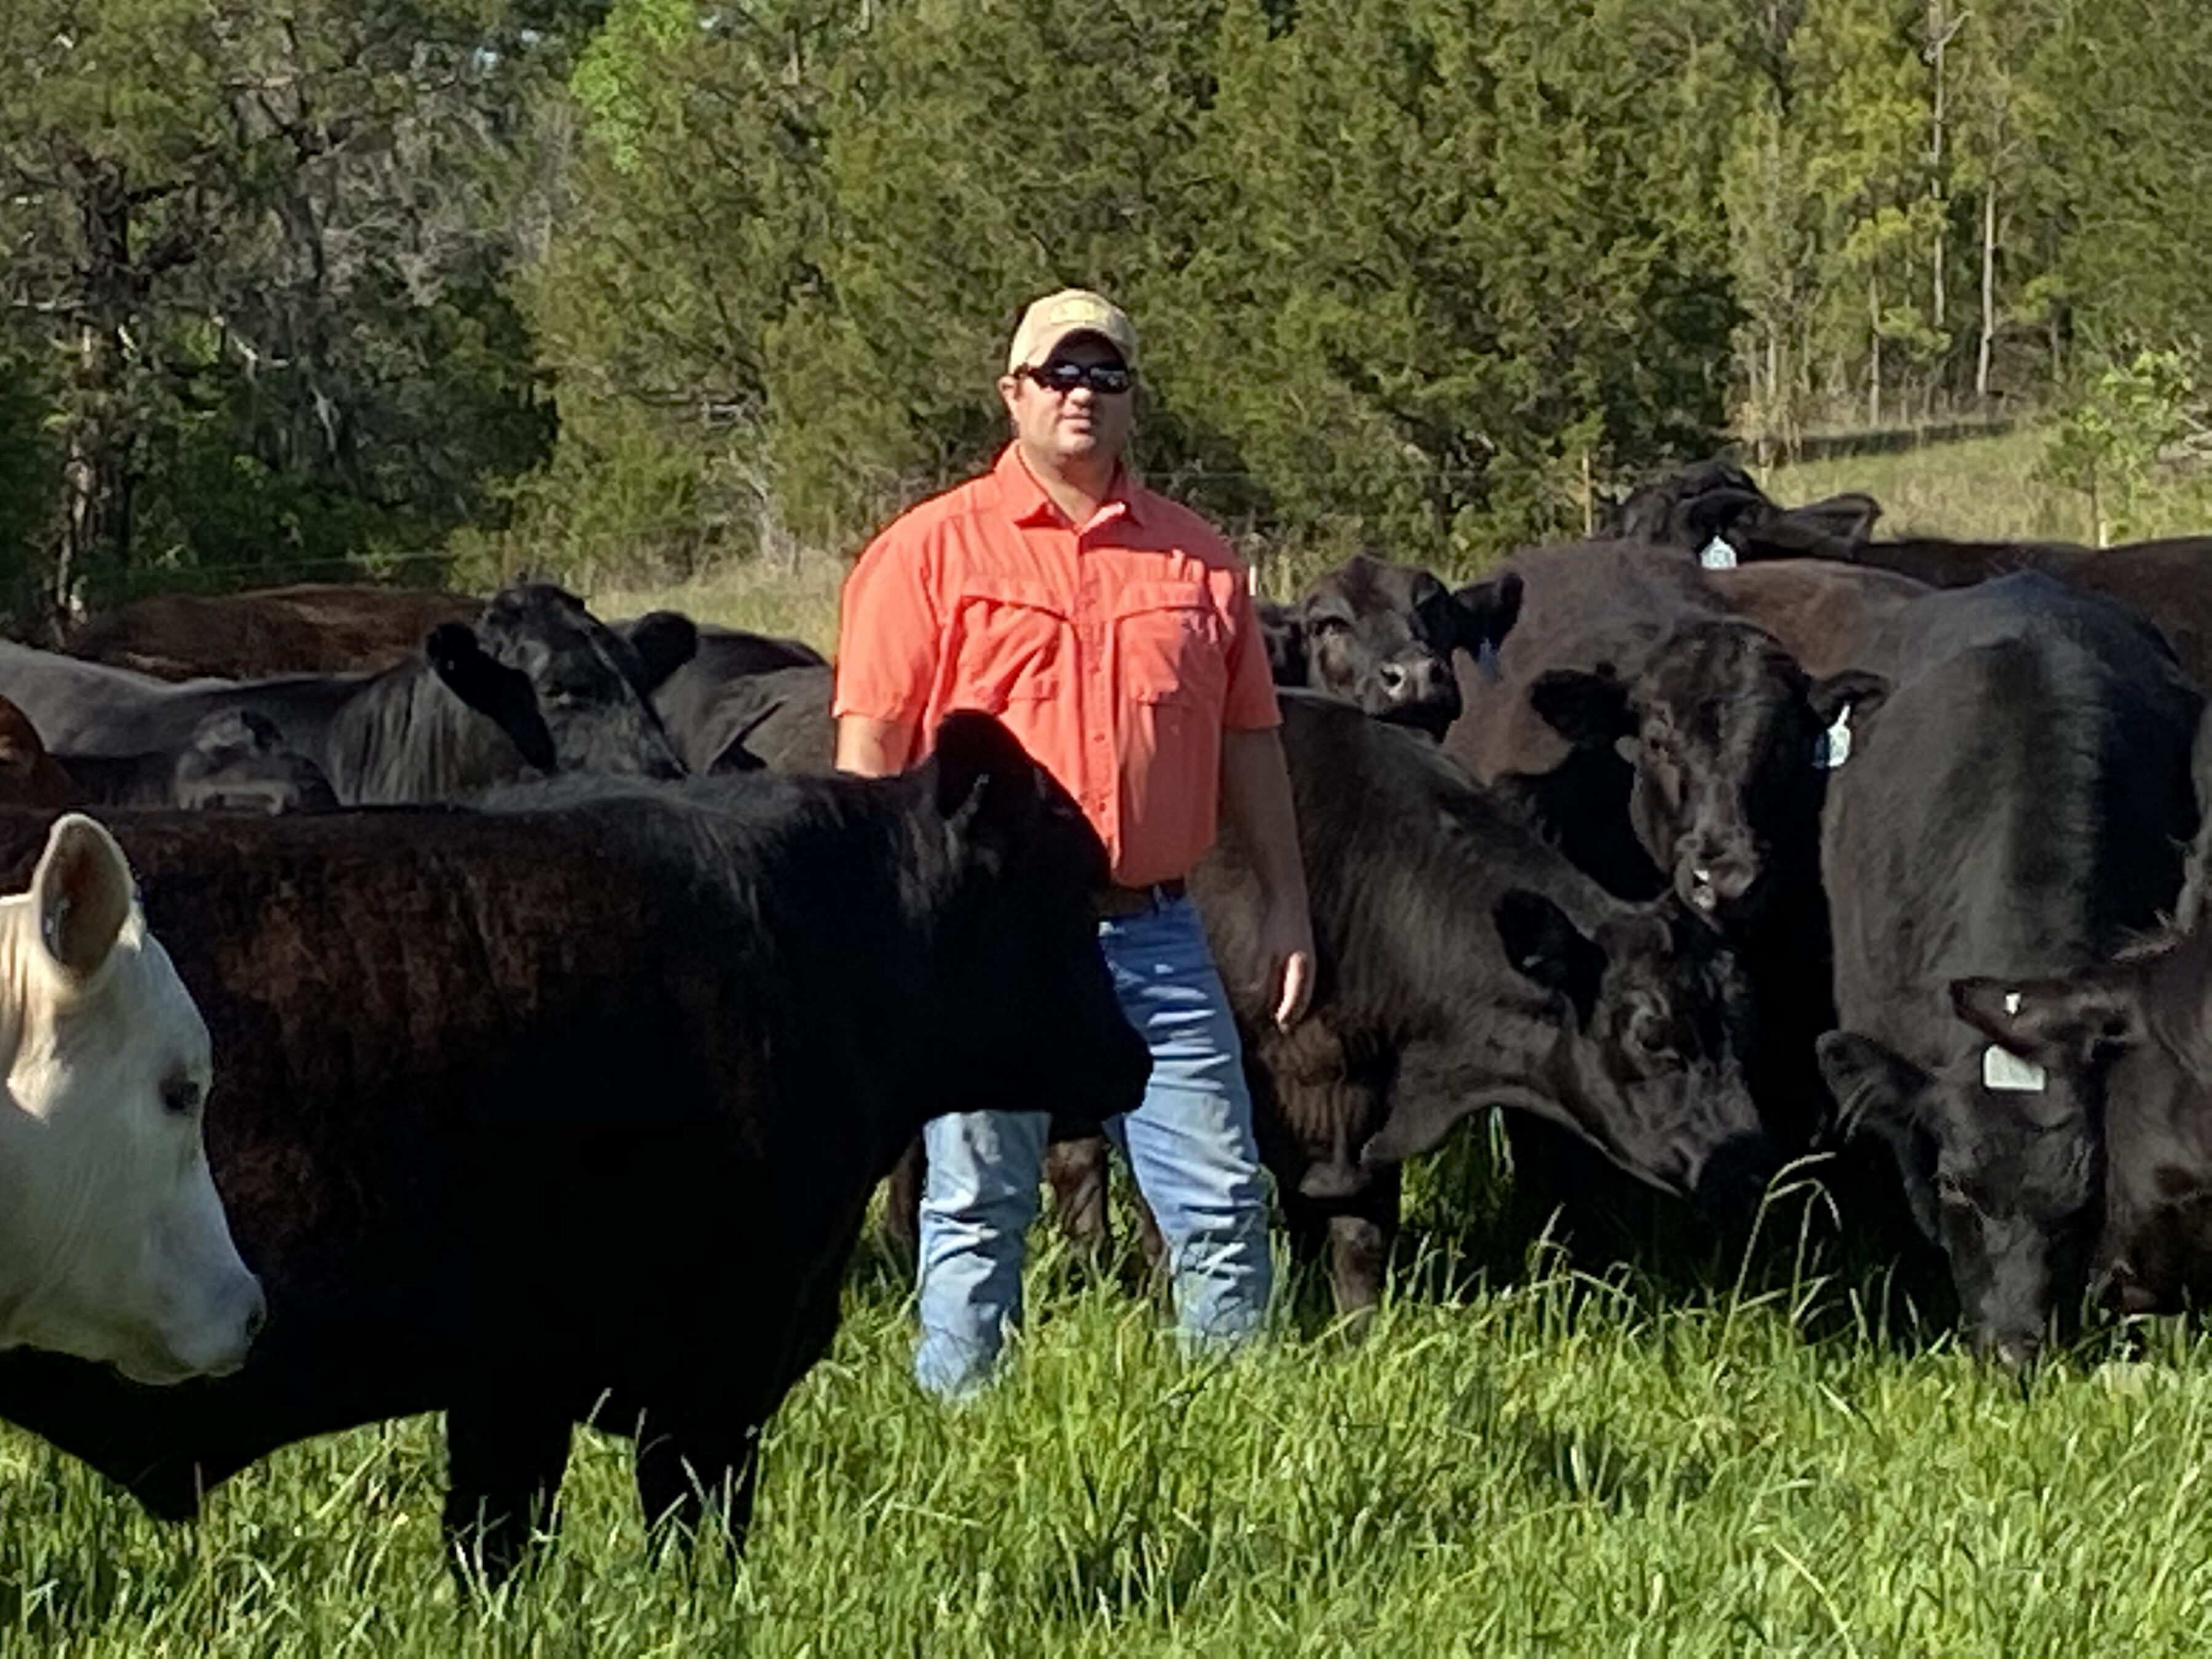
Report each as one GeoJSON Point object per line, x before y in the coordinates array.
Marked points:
{"type": "Point", "coordinates": [977, 157]}
{"type": "Point", "coordinates": [260, 257]}
{"type": "Point", "coordinates": [693, 220]}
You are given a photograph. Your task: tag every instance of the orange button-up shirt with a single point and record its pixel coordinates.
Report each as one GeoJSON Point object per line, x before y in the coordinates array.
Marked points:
{"type": "Point", "coordinates": [1117, 650]}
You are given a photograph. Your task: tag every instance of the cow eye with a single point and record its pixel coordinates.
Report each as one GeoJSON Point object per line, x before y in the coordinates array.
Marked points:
{"type": "Point", "coordinates": [182, 1096]}
{"type": "Point", "coordinates": [1327, 625]}
{"type": "Point", "coordinates": [1951, 1191]}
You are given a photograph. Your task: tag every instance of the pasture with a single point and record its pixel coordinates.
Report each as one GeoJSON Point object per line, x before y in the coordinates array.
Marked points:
{"type": "Point", "coordinates": [1545, 1465]}
{"type": "Point", "coordinates": [1520, 1457]}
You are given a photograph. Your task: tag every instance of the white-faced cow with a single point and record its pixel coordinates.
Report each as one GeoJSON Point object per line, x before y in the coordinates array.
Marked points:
{"type": "Point", "coordinates": [114, 1246]}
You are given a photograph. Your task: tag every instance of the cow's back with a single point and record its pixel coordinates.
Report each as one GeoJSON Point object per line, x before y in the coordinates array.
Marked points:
{"type": "Point", "coordinates": [1582, 606]}
{"type": "Point", "coordinates": [311, 627]}
{"type": "Point", "coordinates": [2016, 807]}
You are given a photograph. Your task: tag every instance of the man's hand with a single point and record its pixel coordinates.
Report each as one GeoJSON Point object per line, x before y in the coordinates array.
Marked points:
{"type": "Point", "coordinates": [1287, 945]}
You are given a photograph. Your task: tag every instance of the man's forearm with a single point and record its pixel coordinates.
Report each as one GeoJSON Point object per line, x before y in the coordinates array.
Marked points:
{"type": "Point", "coordinates": [1256, 794]}
{"type": "Point", "coordinates": [872, 747]}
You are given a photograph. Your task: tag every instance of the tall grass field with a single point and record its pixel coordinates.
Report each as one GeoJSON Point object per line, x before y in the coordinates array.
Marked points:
{"type": "Point", "coordinates": [1527, 1458]}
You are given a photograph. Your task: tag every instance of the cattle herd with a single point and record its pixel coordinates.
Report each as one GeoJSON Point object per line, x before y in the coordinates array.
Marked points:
{"type": "Point", "coordinates": [554, 984]}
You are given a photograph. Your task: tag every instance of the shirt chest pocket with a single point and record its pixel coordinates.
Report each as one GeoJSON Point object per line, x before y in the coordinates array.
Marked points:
{"type": "Point", "coordinates": [1012, 645]}
{"type": "Point", "coordinates": [1168, 638]}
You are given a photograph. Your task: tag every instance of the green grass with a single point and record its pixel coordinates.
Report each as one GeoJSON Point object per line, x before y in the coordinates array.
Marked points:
{"type": "Point", "coordinates": [1987, 488]}
{"type": "Point", "coordinates": [798, 599]}
{"type": "Point", "coordinates": [1557, 1465]}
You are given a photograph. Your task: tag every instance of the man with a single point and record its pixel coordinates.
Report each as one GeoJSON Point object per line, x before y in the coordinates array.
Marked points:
{"type": "Point", "coordinates": [1112, 631]}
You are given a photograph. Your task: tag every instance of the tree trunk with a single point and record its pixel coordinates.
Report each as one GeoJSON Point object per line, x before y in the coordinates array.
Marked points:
{"type": "Point", "coordinates": [1874, 359]}
{"type": "Point", "coordinates": [95, 528]}
{"type": "Point", "coordinates": [1989, 287]}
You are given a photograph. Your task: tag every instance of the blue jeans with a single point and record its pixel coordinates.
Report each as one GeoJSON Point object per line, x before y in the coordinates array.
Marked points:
{"type": "Point", "coordinates": [1189, 1144]}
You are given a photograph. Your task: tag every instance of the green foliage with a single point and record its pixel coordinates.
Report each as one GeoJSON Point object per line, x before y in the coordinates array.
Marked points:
{"type": "Point", "coordinates": [2108, 439]}
{"type": "Point", "coordinates": [637, 287]}
{"type": "Point", "coordinates": [979, 155]}
{"type": "Point", "coordinates": [2124, 104]}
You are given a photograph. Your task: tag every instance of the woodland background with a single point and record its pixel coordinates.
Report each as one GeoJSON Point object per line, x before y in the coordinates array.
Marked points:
{"type": "Point", "coordinates": [437, 290]}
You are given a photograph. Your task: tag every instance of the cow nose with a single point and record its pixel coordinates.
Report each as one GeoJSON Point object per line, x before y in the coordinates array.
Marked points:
{"type": "Point", "coordinates": [1421, 680]}
{"type": "Point", "coordinates": [257, 1315]}
{"type": "Point", "coordinates": [1715, 873]}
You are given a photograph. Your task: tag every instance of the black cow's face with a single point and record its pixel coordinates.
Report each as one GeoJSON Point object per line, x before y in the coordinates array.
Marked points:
{"type": "Point", "coordinates": [576, 695]}
{"type": "Point", "coordinates": [1382, 636]}
{"type": "Point", "coordinates": [2002, 1161]}
{"type": "Point", "coordinates": [1027, 1016]}
{"type": "Point", "coordinates": [1374, 635]}
{"type": "Point", "coordinates": [1723, 730]}
{"type": "Point", "coordinates": [1661, 1014]}
{"type": "Point", "coordinates": [2144, 1022]}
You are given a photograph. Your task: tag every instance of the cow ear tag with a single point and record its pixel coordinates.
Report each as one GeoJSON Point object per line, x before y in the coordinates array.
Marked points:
{"type": "Point", "coordinates": [1718, 554]}
{"type": "Point", "coordinates": [2003, 1069]}
{"type": "Point", "coordinates": [1833, 746]}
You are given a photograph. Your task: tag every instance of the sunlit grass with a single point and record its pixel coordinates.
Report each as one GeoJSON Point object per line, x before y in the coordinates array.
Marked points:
{"type": "Point", "coordinates": [1556, 1464]}
{"type": "Point", "coordinates": [1987, 488]}
{"type": "Point", "coordinates": [794, 597]}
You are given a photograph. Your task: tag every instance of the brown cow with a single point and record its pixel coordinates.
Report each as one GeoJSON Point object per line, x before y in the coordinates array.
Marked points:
{"type": "Point", "coordinates": [29, 776]}
{"type": "Point", "coordinates": [314, 627]}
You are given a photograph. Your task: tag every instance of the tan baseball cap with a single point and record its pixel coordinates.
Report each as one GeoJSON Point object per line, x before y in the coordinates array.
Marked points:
{"type": "Point", "coordinates": [1070, 311]}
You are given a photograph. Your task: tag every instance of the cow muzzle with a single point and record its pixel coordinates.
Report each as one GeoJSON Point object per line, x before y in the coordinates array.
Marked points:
{"type": "Point", "coordinates": [1418, 691]}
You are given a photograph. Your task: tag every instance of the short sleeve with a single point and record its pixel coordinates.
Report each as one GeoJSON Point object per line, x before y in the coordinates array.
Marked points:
{"type": "Point", "coordinates": [887, 633]}
{"type": "Point", "coordinates": [1251, 705]}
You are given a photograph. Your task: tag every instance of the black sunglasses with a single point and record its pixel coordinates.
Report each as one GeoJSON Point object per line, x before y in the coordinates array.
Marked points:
{"type": "Point", "coordinates": [1107, 379]}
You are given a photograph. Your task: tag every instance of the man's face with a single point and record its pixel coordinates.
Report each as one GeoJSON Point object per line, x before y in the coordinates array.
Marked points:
{"type": "Point", "coordinates": [1075, 427]}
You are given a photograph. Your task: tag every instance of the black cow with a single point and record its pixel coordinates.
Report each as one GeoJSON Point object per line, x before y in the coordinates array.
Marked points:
{"type": "Point", "coordinates": [712, 702]}
{"type": "Point", "coordinates": [778, 719]}
{"type": "Point", "coordinates": [1727, 740]}
{"type": "Point", "coordinates": [1464, 963]}
{"type": "Point", "coordinates": [2144, 1020]}
{"type": "Point", "coordinates": [2016, 808]}
{"type": "Point", "coordinates": [1601, 609]}
{"type": "Point", "coordinates": [237, 761]}
{"type": "Point", "coordinates": [1717, 501]}
{"type": "Point", "coordinates": [2167, 582]}
{"type": "Point", "coordinates": [1382, 636]}
{"type": "Point", "coordinates": [575, 1107]}
{"type": "Point", "coordinates": [537, 685]}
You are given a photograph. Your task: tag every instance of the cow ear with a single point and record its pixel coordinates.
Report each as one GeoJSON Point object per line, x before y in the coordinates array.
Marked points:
{"type": "Point", "coordinates": [1284, 632]}
{"type": "Point", "coordinates": [1414, 1127]}
{"type": "Point", "coordinates": [2054, 1020]}
{"type": "Point", "coordinates": [502, 695]}
{"type": "Point", "coordinates": [1848, 518]}
{"type": "Point", "coordinates": [81, 893]}
{"type": "Point", "coordinates": [1855, 690]}
{"type": "Point", "coordinates": [1589, 710]}
{"type": "Point", "coordinates": [663, 641]}
{"type": "Point", "coordinates": [1874, 1087]}
{"type": "Point", "coordinates": [987, 787]}
{"type": "Point", "coordinates": [1543, 945]}
{"type": "Point", "coordinates": [1486, 611]}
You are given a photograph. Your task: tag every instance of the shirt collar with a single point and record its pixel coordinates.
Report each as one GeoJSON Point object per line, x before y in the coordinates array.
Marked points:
{"type": "Point", "coordinates": [1026, 503]}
